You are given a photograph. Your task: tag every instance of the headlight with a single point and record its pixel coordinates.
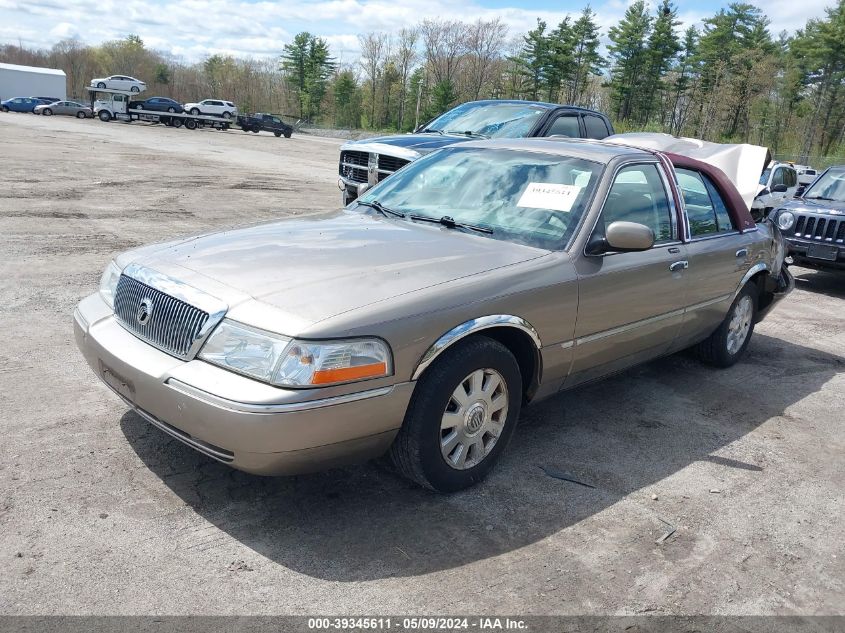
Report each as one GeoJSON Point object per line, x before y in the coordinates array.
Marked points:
{"type": "Point", "coordinates": [785, 220]}
{"type": "Point", "coordinates": [108, 283]}
{"type": "Point", "coordinates": [285, 362]}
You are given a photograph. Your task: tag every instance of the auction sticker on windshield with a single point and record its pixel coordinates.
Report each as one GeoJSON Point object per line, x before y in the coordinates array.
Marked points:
{"type": "Point", "coordinates": [549, 195]}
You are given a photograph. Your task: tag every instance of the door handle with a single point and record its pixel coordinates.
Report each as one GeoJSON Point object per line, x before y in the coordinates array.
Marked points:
{"type": "Point", "coordinates": [681, 265]}
{"type": "Point", "coordinates": [743, 252]}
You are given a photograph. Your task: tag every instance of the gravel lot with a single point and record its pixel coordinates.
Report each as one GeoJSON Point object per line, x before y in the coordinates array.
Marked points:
{"type": "Point", "coordinates": [102, 514]}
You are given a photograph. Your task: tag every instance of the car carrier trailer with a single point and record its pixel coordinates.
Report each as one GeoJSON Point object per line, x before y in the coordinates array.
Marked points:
{"type": "Point", "coordinates": [108, 104]}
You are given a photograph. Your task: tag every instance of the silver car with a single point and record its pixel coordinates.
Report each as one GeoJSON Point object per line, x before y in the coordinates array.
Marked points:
{"type": "Point", "coordinates": [419, 321]}
{"type": "Point", "coordinates": [67, 108]}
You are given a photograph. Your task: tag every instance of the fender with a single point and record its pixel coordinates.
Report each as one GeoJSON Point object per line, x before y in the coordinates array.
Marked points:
{"type": "Point", "coordinates": [756, 268]}
{"type": "Point", "coordinates": [471, 327]}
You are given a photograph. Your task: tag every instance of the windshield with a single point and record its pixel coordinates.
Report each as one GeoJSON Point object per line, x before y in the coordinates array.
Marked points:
{"type": "Point", "coordinates": [764, 177]}
{"type": "Point", "coordinates": [525, 197]}
{"type": "Point", "coordinates": [506, 120]}
{"type": "Point", "coordinates": [829, 186]}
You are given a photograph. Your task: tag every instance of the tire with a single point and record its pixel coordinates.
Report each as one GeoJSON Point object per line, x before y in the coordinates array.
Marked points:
{"type": "Point", "coordinates": [277, 134]}
{"type": "Point", "coordinates": [80, 115]}
{"type": "Point", "coordinates": [190, 124]}
{"type": "Point", "coordinates": [47, 112]}
{"type": "Point", "coordinates": [135, 89]}
{"type": "Point", "coordinates": [255, 130]}
{"type": "Point", "coordinates": [177, 123]}
{"type": "Point", "coordinates": [101, 85]}
{"type": "Point", "coordinates": [728, 343]}
{"type": "Point", "coordinates": [288, 133]}
{"type": "Point", "coordinates": [448, 459]}
{"type": "Point", "coordinates": [171, 110]}
{"type": "Point", "coordinates": [5, 108]}
{"type": "Point", "coordinates": [104, 116]}
{"type": "Point", "coordinates": [195, 111]}
{"type": "Point", "coordinates": [227, 115]}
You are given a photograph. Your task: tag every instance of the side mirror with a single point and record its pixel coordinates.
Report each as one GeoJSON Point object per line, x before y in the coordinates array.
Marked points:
{"type": "Point", "coordinates": [781, 188]}
{"type": "Point", "coordinates": [622, 236]}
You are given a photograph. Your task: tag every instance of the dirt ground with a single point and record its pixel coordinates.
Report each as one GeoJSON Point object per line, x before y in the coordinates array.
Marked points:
{"type": "Point", "coordinates": [102, 514]}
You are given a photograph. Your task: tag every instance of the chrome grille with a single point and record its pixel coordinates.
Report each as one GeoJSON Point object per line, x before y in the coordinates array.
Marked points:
{"type": "Point", "coordinates": [353, 165]}
{"type": "Point", "coordinates": [172, 325]}
{"type": "Point", "coordinates": [822, 229]}
{"type": "Point", "coordinates": [390, 163]}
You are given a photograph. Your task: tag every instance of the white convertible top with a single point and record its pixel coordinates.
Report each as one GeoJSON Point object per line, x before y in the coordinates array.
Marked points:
{"type": "Point", "coordinates": [742, 163]}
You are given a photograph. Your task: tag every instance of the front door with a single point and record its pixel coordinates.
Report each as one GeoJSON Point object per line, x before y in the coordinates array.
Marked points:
{"type": "Point", "coordinates": [630, 305]}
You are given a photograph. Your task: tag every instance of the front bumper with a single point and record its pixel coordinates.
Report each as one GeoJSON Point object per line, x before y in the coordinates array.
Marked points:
{"type": "Point", "coordinates": [806, 253]}
{"type": "Point", "coordinates": [246, 424]}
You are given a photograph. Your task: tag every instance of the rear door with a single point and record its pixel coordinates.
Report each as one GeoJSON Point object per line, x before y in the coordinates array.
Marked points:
{"type": "Point", "coordinates": [630, 305]}
{"type": "Point", "coordinates": [718, 255]}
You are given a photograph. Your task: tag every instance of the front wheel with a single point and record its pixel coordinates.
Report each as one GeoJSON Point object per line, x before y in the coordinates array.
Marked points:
{"type": "Point", "coordinates": [277, 134]}
{"type": "Point", "coordinates": [728, 343]}
{"type": "Point", "coordinates": [5, 108]}
{"type": "Point", "coordinates": [101, 85]}
{"type": "Point", "coordinates": [255, 130]}
{"type": "Point", "coordinates": [80, 115]}
{"type": "Point", "coordinates": [461, 416]}
{"type": "Point", "coordinates": [171, 110]}
{"type": "Point", "coordinates": [47, 112]}
{"type": "Point", "coordinates": [135, 89]}
{"type": "Point", "coordinates": [104, 116]}
{"type": "Point", "coordinates": [195, 111]}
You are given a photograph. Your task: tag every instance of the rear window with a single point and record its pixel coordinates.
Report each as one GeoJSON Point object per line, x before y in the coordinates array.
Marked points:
{"type": "Point", "coordinates": [596, 127]}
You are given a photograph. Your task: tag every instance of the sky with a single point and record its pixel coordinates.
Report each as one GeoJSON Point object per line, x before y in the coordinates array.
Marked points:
{"type": "Point", "coordinates": [194, 29]}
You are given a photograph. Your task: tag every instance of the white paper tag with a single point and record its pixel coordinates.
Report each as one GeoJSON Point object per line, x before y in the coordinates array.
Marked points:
{"type": "Point", "coordinates": [548, 195]}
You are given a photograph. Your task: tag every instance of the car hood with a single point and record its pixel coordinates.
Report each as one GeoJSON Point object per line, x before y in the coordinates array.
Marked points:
{"type": "Point", "coordinates": [408, 146]}
{"type": "Point", "coordinates": [807, 205]}
{"type": "Point", "coordinates": [288, 275]}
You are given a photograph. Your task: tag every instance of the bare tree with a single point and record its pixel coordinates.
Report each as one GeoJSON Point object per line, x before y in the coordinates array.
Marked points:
{"type": "Point", "coordinates": [445, 47]}
{"type": "Point", "coordinates": [484, 41]}
{"type": "Point", "coordinates": [373, 52]}
{"type": "Point", "coordinates": [406, 58]}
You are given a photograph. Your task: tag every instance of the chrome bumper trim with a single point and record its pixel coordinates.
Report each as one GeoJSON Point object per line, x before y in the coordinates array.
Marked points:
{"type": "Point", "coordinates": [269, 409]}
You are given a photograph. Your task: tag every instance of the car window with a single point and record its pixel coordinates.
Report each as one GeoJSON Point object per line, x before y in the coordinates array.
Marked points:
{"type": "Point", "coordinates": [566, 125]}
{"type": "Point", "coordinates": [596, 127]}
{"type": "Point", "coordinates": [525, 197]}
{"type": "Point", "coordinates": [637, 195]}
{"type": "Point", "coordinates": [793, 178]}
{"type": "Point", "coordinates": [275, 120]}
{"type": "Point", "coordinates": [777, 178]}
{"type": "Point", "coordinates": [706, 210]}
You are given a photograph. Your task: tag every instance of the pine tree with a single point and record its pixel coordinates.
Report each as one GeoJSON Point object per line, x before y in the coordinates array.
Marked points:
{"type": "Point", "coordinates": [663, 47]}
{"type": "Point", "coordinates": [629, 57]}
{"type": "Point", "coordinates": [586, 59]}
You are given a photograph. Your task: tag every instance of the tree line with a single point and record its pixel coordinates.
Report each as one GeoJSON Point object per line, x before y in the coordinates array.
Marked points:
{"type": "Point", "coordinates": [730, 79]}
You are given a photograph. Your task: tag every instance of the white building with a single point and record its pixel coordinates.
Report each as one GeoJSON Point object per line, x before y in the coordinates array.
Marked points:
{"type": "Point", "coordinates": [31, 81]}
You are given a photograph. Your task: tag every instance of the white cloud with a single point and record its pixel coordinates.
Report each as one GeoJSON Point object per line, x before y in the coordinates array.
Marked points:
{"type": "Point", "coordinates": [193, 29]}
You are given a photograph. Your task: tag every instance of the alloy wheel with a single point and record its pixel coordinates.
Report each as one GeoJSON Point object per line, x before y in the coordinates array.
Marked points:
{"type": "Point", "coordinates": [740, 324]}
{"type": "Point", "coordinates": [474, 418]}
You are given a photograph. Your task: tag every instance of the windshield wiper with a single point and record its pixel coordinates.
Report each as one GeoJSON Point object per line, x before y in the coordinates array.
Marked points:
{"type": "Point", "coordinates": [428, 130]}
{"type": "Point", "coordinates": [450, 223]}
{"type": "Point", "coordinates": [467, 133]}
{"type": "Point", "coordinates": [378, 206]}
{"type": "Point", "coordinates": [817, 198]}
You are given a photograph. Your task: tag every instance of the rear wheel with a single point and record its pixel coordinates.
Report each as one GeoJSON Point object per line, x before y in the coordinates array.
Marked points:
{"type": "Point", "coordinates": [227, 115]}
{"type": "Point", "coordinates": [461, 416]}
{"type": "Point", "coordinates": [728, 343]}
{"type": "Point", "coordinates": [176, 122]}
{"type": "Point", "coordinates": [191, 124]}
